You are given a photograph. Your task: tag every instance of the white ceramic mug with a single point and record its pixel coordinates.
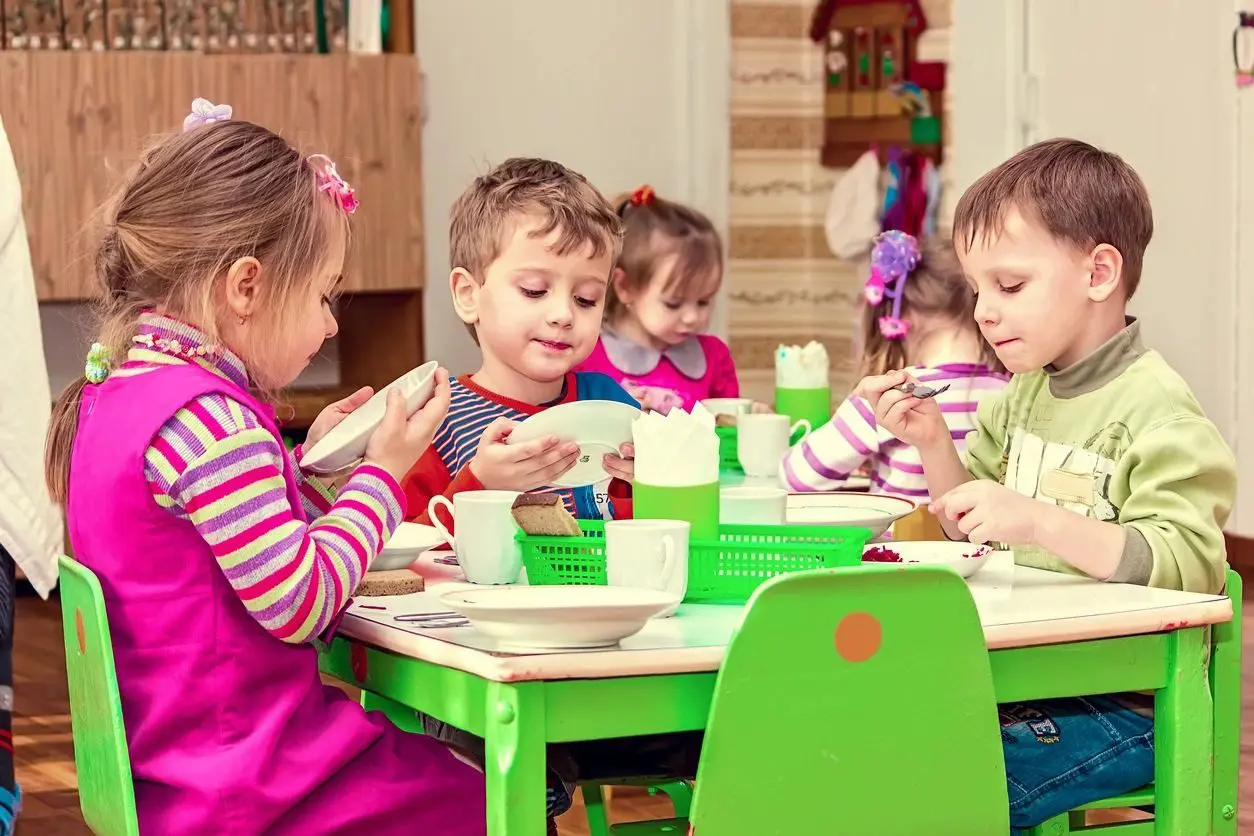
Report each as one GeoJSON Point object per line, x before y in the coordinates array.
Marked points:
{"type": "Point", "coordinates": [753, 506]}
{"type": "Point", "coordinates": [486, 549]}
{"type": "Point", "coordinates": [762, 441]}
{"type": "Point", "coordinates": [648, 554]}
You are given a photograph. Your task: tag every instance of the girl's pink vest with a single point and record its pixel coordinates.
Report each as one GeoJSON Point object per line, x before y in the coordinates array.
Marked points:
{"type": "Point", "coordinates": [230, 730]}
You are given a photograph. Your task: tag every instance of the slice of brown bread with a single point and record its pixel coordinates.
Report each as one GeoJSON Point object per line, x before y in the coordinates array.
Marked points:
{"type": "Point", "coordinates": [389, 582]}
{"type": "Point", "coordinates": [544, 515]}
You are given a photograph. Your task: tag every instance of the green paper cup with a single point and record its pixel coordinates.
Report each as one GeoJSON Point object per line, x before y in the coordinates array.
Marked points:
{"type": "Point", "coordinates": [814, 405]}
{"type": "Point", "coordinates": [698, 504]}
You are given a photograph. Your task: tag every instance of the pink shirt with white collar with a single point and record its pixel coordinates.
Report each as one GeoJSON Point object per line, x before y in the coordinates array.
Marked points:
{"type": "Point", "coordinates": [698, 368]}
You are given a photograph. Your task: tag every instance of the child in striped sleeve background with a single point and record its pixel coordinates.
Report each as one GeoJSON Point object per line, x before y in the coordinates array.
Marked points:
{"type": "Point", "coordinates": [941, 345]}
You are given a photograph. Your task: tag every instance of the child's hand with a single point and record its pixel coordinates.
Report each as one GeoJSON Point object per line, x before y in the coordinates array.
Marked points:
{"type": "Point", "coordinates": [524, 466]}
{"type": "Point", "coordinates": [334, 414]}
{"type": "Point", "coordinates": [916, 421]}
{"type": "Point", "coordinates": [759, 408]}
{"type": "Point", "coordinates": [988, 512]}
{"type": "Point", "coordinates": [399, 441]}
{"type": "Point", "coordinates": [622, 466]}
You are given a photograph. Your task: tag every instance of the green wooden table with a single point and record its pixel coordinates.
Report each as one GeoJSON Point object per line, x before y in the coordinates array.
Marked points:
{"type": "Point", "coordinates": [1048, 635]}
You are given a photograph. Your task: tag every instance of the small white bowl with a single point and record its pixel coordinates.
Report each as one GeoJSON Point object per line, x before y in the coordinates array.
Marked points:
{"type": "Point", "coordinates": [964, 558]}
{"type": "Point", "coordinates": [875, 511]}
{"type": "Point", "coordinates": [728, 406]}
{"type": "Point", "coordinates": [406, 545]}
{"type": "Point", "coordinates": [345, 444]}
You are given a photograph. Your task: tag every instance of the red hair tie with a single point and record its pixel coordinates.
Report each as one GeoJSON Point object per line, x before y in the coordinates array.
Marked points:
{"type": "Point", "coordinates": [643, 196]}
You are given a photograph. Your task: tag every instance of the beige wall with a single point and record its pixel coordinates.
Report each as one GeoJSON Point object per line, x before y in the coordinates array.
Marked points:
{"type": "Point", "coordinates": [784, 284]}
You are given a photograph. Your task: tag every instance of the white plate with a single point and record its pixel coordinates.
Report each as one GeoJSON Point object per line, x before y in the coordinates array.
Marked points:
{"type": "Point", "coordinates": [850, 508]}
{"type": "Point", "coordinates": [559, 617]}
{"type": "Point", "coordinates": [964, 558]}
{"type": "Point", "coordinates": [728, 406]}
{"type": "Point", "coordinates": [406, 545]}
{"type": "Point", "coordinates": [598, 427]}
{"type": "Point", "coordinates": [345, 444]}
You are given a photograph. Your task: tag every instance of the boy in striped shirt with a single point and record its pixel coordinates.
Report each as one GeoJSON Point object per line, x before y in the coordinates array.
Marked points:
{"type": "Point", "coordinates": [532, 245]}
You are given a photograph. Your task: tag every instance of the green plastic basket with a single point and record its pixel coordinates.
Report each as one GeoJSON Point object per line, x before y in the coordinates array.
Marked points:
{"type": "Point", "coordinates": [729, 570]}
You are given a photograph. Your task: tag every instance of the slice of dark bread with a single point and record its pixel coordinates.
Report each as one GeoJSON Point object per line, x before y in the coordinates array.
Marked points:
{"type": "Point", "coordinates": [544, 515]}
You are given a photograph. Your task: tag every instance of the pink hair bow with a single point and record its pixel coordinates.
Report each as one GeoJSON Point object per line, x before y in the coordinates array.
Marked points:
{"type": "Point", "coordinates": [205, 112]}
{"type": "Point", "coordinates": [330, 181]}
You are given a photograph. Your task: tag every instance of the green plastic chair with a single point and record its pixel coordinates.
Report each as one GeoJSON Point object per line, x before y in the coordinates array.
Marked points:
{"type": "Point", "coordinates": [106, 790]}
{"type": "Point", "coordinates": [840, 688]}
{"type": "Point", "coordinates": [1225, 689]}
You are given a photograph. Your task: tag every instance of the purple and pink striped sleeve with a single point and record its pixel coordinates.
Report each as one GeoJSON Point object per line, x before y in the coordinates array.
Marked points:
{"type": "Point", "coordinates": [214, 464]}
{"type": "Point", "coordinates": [826, 458]}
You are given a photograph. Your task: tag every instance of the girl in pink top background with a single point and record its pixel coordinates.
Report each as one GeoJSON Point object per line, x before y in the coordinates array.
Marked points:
{"type": "Point", "coordinates": [658, 307]}
{"type": "Point", "coordinates": [918, 314]}
{"type": "Point", "coordinates": [219, 560]}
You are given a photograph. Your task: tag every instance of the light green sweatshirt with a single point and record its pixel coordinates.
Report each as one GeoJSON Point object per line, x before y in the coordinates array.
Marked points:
{"type": "Point", "coordinates": [1120, 437]}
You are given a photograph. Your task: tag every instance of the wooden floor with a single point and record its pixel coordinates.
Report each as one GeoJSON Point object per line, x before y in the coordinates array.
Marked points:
{"type": "Point", "coordinates": [45, 756]}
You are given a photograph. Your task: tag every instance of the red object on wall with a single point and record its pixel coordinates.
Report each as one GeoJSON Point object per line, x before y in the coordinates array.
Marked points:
{"type": "Point", "coordinates": [929, 75]}
{"type": "Point", "coordinates": [821, 21]}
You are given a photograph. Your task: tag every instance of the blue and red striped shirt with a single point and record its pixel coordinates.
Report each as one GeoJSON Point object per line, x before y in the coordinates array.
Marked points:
{"type": "Point", "coordinates": [444, 468]}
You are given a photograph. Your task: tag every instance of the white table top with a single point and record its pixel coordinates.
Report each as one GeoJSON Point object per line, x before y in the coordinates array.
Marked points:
{"type": "Point", "coordinates": [1018, 607]}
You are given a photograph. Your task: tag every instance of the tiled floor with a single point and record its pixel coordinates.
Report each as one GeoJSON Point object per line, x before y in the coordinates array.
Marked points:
{"type": "Point", "coordinates": [45, 757]}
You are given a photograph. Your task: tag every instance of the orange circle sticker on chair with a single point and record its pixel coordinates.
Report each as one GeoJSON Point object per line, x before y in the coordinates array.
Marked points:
{"type": "Point", "coordinates": [858, 636]}
{"type": "Point", "coordinates": [81, 630]}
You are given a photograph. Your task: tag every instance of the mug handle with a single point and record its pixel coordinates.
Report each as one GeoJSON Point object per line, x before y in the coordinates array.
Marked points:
{"type": "Point", "coordinates": [437, 501]}
{"type": "Point", "coordinates": [668, 561]}
{"type": "Point", "coordinates": [801, 422]}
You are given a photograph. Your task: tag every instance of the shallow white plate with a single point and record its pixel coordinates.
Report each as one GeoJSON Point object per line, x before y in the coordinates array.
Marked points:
{"type": "Point", "coordinates": [964, 558]}
{"type": "Point", "coordinates": [406, 545]}
{"type": "Point", "coordinates": [598, 427]}
{"type": "Point", "coordinates": [559, 617]}
{"type": "Point", "coordinates": [728, 406]}
{"type": "Point", "coordinates": [849, 508]}
{"type": "Point", "coordinates": [345, 444]}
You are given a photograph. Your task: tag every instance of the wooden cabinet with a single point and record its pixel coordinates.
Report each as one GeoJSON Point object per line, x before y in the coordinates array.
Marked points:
{"type": "Point", "coordinates": [77, 120]}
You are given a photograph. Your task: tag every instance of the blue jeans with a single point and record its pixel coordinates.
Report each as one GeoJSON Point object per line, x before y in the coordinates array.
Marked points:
{"type": "Point", "coordinates": [1067, 752]}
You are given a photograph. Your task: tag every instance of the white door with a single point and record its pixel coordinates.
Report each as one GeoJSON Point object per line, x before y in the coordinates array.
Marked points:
{"type": "Point", "coordinates": [1152, 81]}
{"type": "Point", "coordinates": [624, 93]}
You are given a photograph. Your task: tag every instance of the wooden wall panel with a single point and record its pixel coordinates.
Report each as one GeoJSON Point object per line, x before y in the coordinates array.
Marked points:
{"type": "Point", "coordinates": [76, 122]}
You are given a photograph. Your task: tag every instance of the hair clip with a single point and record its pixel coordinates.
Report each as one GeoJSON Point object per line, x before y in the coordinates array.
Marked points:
{"type": "Point", "coordinates": [98, 362]}
{"type": "Point", "coordinates": [643, 196]}
{"type": "Point", "coordinates": [893, 258]}
{"type": "Point", "coordinates": [205, 112]}
{"type": "Point", "coordinates": [330, 181]}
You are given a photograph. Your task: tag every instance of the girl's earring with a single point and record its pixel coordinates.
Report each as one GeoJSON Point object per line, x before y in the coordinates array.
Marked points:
{"type": "Point", "coordinates": [242, 320]}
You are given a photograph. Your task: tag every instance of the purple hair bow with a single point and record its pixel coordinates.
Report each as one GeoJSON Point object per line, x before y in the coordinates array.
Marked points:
{"type": "Point", "coordinates": [204, 112]}
{"type": "Point", "coordinates": [894, 256]}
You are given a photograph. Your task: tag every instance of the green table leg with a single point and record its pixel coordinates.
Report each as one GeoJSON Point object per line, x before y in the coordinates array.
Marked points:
{"type": "Point", "coordinates": [1183, 745]}
{"type": "Point", "coordinates": [515, 736]}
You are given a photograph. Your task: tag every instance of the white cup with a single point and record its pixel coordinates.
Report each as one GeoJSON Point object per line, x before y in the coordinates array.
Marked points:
{"type": "Point", "coordinates": [753, 506]}
{"type": "Point", "coordinates": [486, 549]}
{"type": "Point", "coordinates": [762, 441]}
{"type": "Point", "coordinates": [648, 554]}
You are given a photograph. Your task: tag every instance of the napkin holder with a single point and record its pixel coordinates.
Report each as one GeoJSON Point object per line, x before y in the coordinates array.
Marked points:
{"type": "Point", "coordinates": [802, 383]}
{"type": "Point", "coordinates": [677, 465]}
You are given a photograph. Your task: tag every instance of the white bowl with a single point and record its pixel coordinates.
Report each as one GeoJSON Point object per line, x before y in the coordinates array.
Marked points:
{"type": "Point", "coordinates": [559, 617]}
{"type": "Point", "coordinates": [728, 406]}
{"type": "Point", "coordinates": [346, 443]}
{"type": "Point", "coordinates": [875, 511]}
{"type": "Point", "coordinates": [406, 545]}
{"type": "Point", "coordinates": [964, 558]}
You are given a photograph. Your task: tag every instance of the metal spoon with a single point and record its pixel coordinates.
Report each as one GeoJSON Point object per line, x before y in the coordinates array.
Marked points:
{"type": "Point", "coordinates": [919, 390]}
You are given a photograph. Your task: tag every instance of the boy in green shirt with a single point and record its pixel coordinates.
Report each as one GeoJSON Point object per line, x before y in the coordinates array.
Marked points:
{"type": "Point", "coordinates": [1096, 459]}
